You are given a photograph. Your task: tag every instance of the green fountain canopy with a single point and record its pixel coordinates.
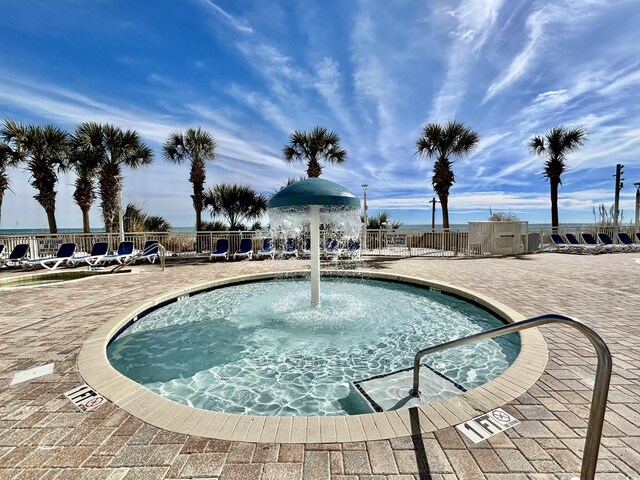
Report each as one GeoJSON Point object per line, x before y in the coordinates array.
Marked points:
{"type": "Point", "coordinates": [314, 191]}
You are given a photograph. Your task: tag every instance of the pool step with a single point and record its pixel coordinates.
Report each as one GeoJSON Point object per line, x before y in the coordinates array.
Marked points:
{"type": "Point", "coordinates": [391, 391]}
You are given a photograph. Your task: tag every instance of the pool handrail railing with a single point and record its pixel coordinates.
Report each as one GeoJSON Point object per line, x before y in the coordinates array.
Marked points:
{"type": "Point", "coordinates": [600, 387]}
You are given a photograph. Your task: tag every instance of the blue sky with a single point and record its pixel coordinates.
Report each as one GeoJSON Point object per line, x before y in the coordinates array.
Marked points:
{"type": "Point", "coordinates": [250, 72]}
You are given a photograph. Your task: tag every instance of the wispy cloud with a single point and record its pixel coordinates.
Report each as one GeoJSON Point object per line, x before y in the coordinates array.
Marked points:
{"type": "Point", "coordinates": [475, 21]}
{"type": "Point", "coordinates": [239, 24]}
{"type": "Point", "coordinates": [519, 65]}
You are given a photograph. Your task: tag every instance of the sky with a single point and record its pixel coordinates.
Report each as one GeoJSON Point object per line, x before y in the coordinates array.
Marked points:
{"type": "Point", "coordinates": [251, 72]}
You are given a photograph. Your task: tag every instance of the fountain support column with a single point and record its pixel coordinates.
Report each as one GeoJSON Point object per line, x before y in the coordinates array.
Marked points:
{"type": "Point", "coordinates": [311, 197]}
{"type": "Point", "coordinates": [314, 215]}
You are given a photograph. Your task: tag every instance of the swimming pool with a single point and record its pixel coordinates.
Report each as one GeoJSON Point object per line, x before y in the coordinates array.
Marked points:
{"type": "Point", "coordinates": [258, 348]}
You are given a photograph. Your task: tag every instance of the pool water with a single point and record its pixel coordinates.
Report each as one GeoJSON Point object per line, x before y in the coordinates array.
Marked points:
{"type": "Point", "coordinates": [260, 349]}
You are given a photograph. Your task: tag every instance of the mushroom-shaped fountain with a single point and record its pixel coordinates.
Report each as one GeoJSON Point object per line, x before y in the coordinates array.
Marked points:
{"type": "Point", "coordinates": [315, 201]}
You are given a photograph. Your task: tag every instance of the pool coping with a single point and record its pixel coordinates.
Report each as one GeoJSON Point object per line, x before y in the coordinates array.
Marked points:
{"type": "Point", "coordinates": [161, 412]}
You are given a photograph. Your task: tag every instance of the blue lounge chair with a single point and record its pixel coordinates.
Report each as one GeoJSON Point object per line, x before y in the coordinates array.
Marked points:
{"type": "Point", "coordinates": [290, 248]}
{"type": "Point", "coordinates": [267, 249]}
{"type": "Point", "coordinates": [560, 245]}
{"type": "Point", "coordinates": [16, 256]}
{"type": "Point", "coordinates": [124, 253]}
{"type": "Point", "coordinates": [98, 251]}
{"type": "Point", "coordinates": [64, 254]}
{"type": "Point", "coordinates": [591, 242]}
{"type": "Point", "coordinates": [605, 240]}
{"type": "Point", "coordinates": [245, 250]}
{"type": "Point", "coordinates": [581, 247]}
{"type": "Point", "coordinates": [306, 247]}
{"type": "Point", "coordinates": [628, 241]}
{"type": "Point", "coordinates": [353, 249]}
{"type": "Point", "coordinates": [331, 247]}
{"type": "Point", "coordinates": [149, 251]}
{"type": "Point", "coordinates": [222, 249]}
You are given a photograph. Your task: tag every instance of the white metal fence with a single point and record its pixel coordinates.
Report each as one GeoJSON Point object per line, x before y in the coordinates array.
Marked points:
{"type": "Point", "coordinates": [397, 243]}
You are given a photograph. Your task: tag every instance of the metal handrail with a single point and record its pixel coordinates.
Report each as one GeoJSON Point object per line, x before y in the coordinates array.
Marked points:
{"type": "Point", "coordinates": [162, 252]}
{"type": "Point", "coordinates": [600, 387]}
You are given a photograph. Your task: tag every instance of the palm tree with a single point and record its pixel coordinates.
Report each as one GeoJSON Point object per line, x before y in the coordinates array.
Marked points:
{"type": "Point", "coordinates": [555, 145]}
{"type": "Point", "coordinates": [135, 219]}
{"type": "Point", "coordinates": [198, 146]}
{"type": "Point", "coordinates": [311, 147]}
{"type": "Point", "coordinates": [7, 159]}
{"type": "Point", "coordinates": [443, 142]}
{"type": "Point", "coordinates": [86, 155]}
{"type": "Point", "coordinates": [382, 221]}
{"type": "Point", "coordinates": [122, 148]}
{"type": "Point", "coordinates": [43, 150]}
{"type": "Point", "coordinates": [236, 203]}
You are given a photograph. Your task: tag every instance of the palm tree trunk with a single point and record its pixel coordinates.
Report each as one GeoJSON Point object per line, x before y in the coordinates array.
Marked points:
{"type": "Point", "coordinates": [554, 182]}
{"type": "Point", "coordinates": [444, 204]}
{"type": "Point", "coordinates": [198, 220]}
{"type": "Point", "coordinates": [313, 168]}
{"type": "Point", "coordinates": [51, 218]}
{"type": "Point", "coordinates": [85, 221]}
{"type": "Point", "coordinates": [1, 198]}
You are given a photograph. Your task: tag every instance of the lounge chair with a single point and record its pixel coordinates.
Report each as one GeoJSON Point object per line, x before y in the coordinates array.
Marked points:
{"type": "Point", "coordinates": [605, 240]}
{"type": "Point", "coordinates": [353, 249]}
{"type": "Point", "coordinates": [1, 249]}
{"type": "Point", "coordinates": [64, 254]}
{"type": "Point", "coordinates": [149, 251]}
{"type": "Point", "coordinates": [16, 256]}
{"type": "Point", "coordinates": [222, 249]}
{"type": "Point", "coordinates": [331, 247]}
{"type": "Point", "coordinates": [267, 249]}
{"type": "Point", "coordinates": [560, 245]}
{"type": "Point", "coordinates": [638, 236]}
{"type": "Point", "coordinates": [581, 247]}
{"type": "Point", "coordinates": [306, 247]}
{"type": "Point", "coordinates": [290, 248]}
{"type": "Point", "coordinates": [245, 250]}
{"type": "Point", "coordinates": [591, 242]}
{"type": "Point", "coordinates": [628, 241]}
{"type": "Point", "coordinates": [98, 251]}
{"type": "Point", "coordinates": [124, 253]}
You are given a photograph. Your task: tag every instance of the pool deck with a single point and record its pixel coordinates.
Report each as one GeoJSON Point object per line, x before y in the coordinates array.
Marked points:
{"type": "Point", "coordinates": [43, 435]}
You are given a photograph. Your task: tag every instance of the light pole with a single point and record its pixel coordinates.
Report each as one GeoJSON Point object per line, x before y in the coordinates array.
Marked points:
{"type": "Point", "coordinates": [364, 240]}
{"type": "Point", "coordinates": [637, 185]}
{"type": "Point", "coordinates": [433, 202]}
{"type": "Point", "coordinates": [120, 178]}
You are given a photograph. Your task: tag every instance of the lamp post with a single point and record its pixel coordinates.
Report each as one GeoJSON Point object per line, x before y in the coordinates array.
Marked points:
{"type": "Point", "coordinates": [120, 178]}
{"type": "Point", "coordinates": [637, 185]}
{"type": "Point", "coordinates": [433, 202]}
{"type": "Point", "coordinates": [364, 240]}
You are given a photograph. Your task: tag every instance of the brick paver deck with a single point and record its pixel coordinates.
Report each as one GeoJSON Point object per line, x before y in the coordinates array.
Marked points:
{"type": "Point", "coordinates": [42, 435]}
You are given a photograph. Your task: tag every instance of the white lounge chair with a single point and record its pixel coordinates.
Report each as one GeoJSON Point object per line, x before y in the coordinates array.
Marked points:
{"type": "Point", "coordinates": [222, 249]}
{"type": "Point", "coordinates": [245, 250]}
{"type": "Point", "coordinates": [331, 248]}
{"type": "Point", "coordinates": [290, 248]}
{"type": "Point", "coordinates": [124, 253]}
{"type": "Point", "coordinates": [16, 256]}
{"type": "Point", "coordinates": [267, 249]}
{"type": "Point", "coordinates": [98, 251]}
{"type": "Point", "coordinates": [605, 240]}
{"type": "Point", "coordinates": [149, 251]}
{"type": "Point", "coordinates": [64, 254]}
{"type": "Point", "coordinates": [625, 239]}
{"type": "Point", "coordinates": [353, 249]}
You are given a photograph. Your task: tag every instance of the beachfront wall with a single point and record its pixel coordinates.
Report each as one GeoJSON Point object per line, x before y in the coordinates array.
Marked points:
{"type": "Point", "coordinates": [396, 243]}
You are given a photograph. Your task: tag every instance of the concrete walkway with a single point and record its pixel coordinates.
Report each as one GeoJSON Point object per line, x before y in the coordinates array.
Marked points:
{"type": "Point", "coordinates": [42, 435]}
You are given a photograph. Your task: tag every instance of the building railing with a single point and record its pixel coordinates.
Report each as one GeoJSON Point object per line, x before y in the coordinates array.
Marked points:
{"type": "Point", "coordinates": [379, 242]}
